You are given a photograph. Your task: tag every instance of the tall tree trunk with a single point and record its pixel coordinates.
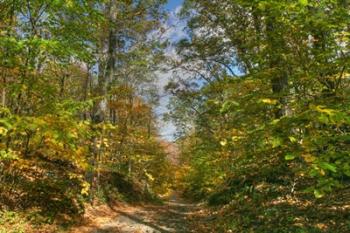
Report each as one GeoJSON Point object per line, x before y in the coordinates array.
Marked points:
{"type": "Point", "coordinates": [106, 74]}
{"type": "Point", "coordinates": [86, 90]}
{"type": "Point", "coordinates": [279, 80]}
{"type": "Point", "coordinates": [3, 93]}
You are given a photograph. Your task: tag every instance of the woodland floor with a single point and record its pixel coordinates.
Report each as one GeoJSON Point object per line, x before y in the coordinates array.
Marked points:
{"type": "Point", "coordinates": [175, 215]}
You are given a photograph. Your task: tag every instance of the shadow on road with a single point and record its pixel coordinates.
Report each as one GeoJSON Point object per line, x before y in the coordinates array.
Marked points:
{"type": "Point", "coordinates": [168, 218]}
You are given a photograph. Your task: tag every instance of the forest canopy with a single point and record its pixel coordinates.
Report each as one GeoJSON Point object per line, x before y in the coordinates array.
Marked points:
{"type": "Point", "coordinates": [259, 95]}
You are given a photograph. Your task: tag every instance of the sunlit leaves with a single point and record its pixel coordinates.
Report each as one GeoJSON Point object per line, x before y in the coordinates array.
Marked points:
{"type": "Point", "coordinates": [85, 188]}
{"type": "Point", "coordinates": [318, 193]}
{"type": "Point", "coordinates": [229, 106]}
{"type": "Point", "coordinates": [303, 2]}
{"type": "Point", "coordinates": [276, 142]}
{"type": "Point", "coordinates": [309, 158]}
{"type": "Point", "coordinates": [289, 156]}
{"type": "Point", "coordinates": [3, 131]}
{"type": "Point", "coordinates": [328, 166]}
{"type": "Point", "coordinates": [53, 57]}
{"type": "Point", "coordinates": [8, 155]}
{"type": "Point", "coordinates": [223, 142]}
{"type": "Point", "coordinates": [292, 139]}
{"type": "Point", "coordinates": [302, 126]}
{"type": "Point", "coordinates": [268, 101]}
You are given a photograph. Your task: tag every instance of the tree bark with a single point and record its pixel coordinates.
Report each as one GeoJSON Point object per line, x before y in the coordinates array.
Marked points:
{"type": "Point", "coordinates": [279, 80]}
{"type": "Point", "coordinates": [106, 75]}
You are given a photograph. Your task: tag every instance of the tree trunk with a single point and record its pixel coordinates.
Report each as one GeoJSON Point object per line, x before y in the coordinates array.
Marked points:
{"type": "Point", "coordinates": [3, 93]}
{"type": "Point", "coordinates": [106, 75]}
{"type": "Point", "coordinates": [279, 80]}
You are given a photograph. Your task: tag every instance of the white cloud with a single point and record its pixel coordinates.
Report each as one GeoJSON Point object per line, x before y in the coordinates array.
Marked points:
{"type": "Point", "coordinates": [173, 31]}
{"type": "Point", "coordinates": [175, 27]}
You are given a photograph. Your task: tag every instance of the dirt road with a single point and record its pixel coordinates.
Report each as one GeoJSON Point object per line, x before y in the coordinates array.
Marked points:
{"type": "Point", "coordinates": [175, 215]}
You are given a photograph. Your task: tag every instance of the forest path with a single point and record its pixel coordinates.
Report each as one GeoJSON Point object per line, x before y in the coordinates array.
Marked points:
{"type": "Point", "coordinates": [174, 216]}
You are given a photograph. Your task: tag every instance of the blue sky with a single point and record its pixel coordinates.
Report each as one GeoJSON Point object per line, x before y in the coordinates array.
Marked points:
{"type": "Point", "coordinates": [174, 32]}
{"type": "Point", "coordinates": [172, 4]}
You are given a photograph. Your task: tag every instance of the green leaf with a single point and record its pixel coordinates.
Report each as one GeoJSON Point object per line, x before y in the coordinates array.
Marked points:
{"type": "Point", "coordinates": [3, 131]}
{"type": "Point", "coordinates": [223, 142]}
{"type": "Point", "coordinates": [323, 119]}
{"type": "Point", "coordinates": [5, 123]}
{"type": "Point", "coordinates": [276, 142]}
{"type": "Point", "coordinates": [275, 121]}
{"type": "Point", "coordinates": [328, 166]}
{"type": "Point", "coordinates": [318, 194]}
{"type": "Point", "coordinates": [292, 139]}
{"type": "Point", "coordinates": [304, 2]}
{"type": "Point", "coordinates": [268, 101]}
{"type": "Point", "coordinates": [262, 5]}
{"type": "Point", "coordinates": [8, 155]}
{"type": "Point", "coordinates": [289, 157]}
{"type": "Point", "coordinates": [228, 106]}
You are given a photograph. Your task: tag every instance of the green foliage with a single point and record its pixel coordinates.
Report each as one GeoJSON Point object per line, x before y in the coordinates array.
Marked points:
{"type": "Point", "coordinates": [289, 107]}
{"type": "Point", "coordinates": [73, 111]}
{"type": "Point", "coordinates": [269, 116]}
{"type": "Point", "coordinates": [12, 222]}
